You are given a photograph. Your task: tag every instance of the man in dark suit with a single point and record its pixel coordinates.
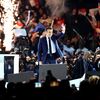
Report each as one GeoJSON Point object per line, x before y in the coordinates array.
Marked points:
{"type": "Point", "coordinates": [48, 49]}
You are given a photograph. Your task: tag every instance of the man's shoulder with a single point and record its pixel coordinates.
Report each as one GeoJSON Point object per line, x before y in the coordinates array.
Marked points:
{"type": "Point", "coordinates": [42, 38]}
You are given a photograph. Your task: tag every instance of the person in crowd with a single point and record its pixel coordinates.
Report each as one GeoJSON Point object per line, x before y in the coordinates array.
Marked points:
{"type": "Point", "coordinates": [81, 47]}
{"type": "Point", "coordinates": [35, 33]}
{"type": "Point", "coordinates": [50, 76]}
{"type": "Point", "coordinates": [19, 36]}
{"type": "Point", "coordinates": [93, 79]}
{"type": "Point", "coordinates": [82, 65]}
{"type": "Point", "coordinates": [84, 27]}
{"type": "Point", "coordinates": [71, 23]}
{"type": "Point", "coordinates": [68, 49]}
{"type": "Point", "coordinates": [48, 50]}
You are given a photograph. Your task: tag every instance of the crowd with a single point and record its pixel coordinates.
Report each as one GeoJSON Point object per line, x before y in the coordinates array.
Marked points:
{"type": "Point", "coordinates": [80, 45]}
{"type": "Point", "coordinates": [51, 89]}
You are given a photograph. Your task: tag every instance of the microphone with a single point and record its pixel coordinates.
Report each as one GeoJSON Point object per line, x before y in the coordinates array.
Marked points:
{"type": "Point", "coordinates": [77, 33]}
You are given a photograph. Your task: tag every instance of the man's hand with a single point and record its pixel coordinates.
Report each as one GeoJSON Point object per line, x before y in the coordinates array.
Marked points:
{"type": "Point", "coordinates": [63, 28]}
{"type": "Point", "coordinates": [40, 62]}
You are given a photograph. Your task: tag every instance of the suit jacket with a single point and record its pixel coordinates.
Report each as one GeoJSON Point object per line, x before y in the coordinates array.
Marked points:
{"type": "Point", "coordinates": [43, 48]}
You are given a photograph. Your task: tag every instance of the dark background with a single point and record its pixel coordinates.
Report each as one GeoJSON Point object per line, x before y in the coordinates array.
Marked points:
{"type": "Point", "coordinates": [83, 3]}
{"type": "Point", "coordinates": [73, 3]}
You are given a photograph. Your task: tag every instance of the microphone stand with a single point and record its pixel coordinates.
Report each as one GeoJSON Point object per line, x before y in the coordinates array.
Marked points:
{"type": "Point", "coordinates": [74, 30]}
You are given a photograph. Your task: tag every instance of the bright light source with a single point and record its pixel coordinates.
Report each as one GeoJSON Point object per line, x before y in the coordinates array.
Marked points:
{"type": "Point", "coordinates": [10, 8]}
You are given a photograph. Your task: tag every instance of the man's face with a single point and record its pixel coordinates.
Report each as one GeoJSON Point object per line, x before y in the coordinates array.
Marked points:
{"type": "Point", "coordinates": [49, 32]}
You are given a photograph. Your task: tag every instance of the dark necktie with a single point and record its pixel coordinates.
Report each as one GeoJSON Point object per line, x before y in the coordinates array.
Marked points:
{"type": "Point", "coordinates": [50, 46]}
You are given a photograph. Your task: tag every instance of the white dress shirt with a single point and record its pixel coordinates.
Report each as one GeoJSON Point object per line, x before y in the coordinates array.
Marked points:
{"type": "Point", "coordinates": [53, 48]}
